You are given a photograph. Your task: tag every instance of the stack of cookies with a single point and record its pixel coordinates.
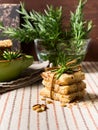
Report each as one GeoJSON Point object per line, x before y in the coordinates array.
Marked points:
{"type": "Point", "coordinates": [5, 45]}
{"type": "Point", "coordinates": [65, 89]}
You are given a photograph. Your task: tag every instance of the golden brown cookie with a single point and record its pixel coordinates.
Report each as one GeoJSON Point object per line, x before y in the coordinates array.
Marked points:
{"type": "Point", "coordinates": [65, 89]}
{"type": "Point", "coordinates": [5, 43]}
{"type": "Point", "coordinates": [62, 98]}
{"type": "Point", "coordinates": [64, 79]}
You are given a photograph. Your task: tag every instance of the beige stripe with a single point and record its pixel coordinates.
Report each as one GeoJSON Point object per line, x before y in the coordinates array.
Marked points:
{"type": "Point", "coordinates": [88, 70]}
{"type": "Point", "coordinates": [47, 120]}
{"type": "Point", "coordinates": [38, 124]}
{"type": "Point", "coordinates": [95, 66]}
{"type": "Point", "coordinates": [92, 79]}
{"type": "Point", "coordinates": [91, 116]}
{"type": "Point", "coordinates": [90, 112]}
{"type": "Point", "coordinates": [65, 120]}
{"type": "Point", "coordinates": [91, 68]}
{"type": "Point", "coordinates": [74, 119]}
{"type": "Point", "coordinates": [82, 116]}
{"type": "Point", "coordinates": [92, 100]}
{"type": "Point", "coordinates": [11, 114]}
{"type": "Point", "coordinates": [29, 111]}
{"type": "Point", "coordinates": [2, 115]}
{"type": "Point", "coordinates": [85, 120]}
{"type": "Point", "coordinates": [21, 108]}
{"type": "Point", "coordinates": [55, 115]}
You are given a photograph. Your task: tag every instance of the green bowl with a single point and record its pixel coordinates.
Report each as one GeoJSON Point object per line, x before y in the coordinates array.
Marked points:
{"type": "Point", "coordinates": [10, 70]}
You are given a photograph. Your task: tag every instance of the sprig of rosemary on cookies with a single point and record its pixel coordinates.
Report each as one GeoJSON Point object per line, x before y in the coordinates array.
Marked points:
{"type": "Point", "coordinates": [70, 67]}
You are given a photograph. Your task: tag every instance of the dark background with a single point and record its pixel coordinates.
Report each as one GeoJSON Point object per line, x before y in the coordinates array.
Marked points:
{"type": "Point", "coordinates": [90, 11]}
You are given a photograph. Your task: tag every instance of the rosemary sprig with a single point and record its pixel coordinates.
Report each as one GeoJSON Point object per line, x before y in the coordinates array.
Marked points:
{"type": "Point", "coordinates": [21, 34]}
{"type": "Point", "coordinates": [79, 28]}
{"type": "Point", "coordinates": [48, 25]}
{"type": "Point", "coordinates": [9, 55]}
{"type": "Point", "coordinates": [69, 68]}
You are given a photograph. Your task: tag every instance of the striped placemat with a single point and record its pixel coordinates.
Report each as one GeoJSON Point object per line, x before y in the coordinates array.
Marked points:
{"type": "Point", "coordinates": [16, 108]}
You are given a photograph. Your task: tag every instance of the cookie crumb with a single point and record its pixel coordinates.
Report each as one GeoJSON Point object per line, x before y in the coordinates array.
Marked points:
{"type": "Point", "coordinates": [49, 101]}
{"type": "Point", "coordinates": [39, 107]}
{"type": "Point", "coordinates": [43, 99]}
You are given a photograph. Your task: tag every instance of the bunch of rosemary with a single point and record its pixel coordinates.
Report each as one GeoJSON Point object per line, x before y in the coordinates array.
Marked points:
{"type": "Point", "coordinates": [63, 45]}
{"type": "Point", "coordinates": [48, 26]}
{"type": "Point", "coordinates": [74, 47]}
{"type": "Point", "coordinates": [74, 50]}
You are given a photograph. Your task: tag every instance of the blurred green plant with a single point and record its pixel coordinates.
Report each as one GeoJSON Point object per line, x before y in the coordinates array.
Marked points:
{"type": "Point", "coordinates": [62, 45]}
{"type": "Point", "coordinates": [10, 55]}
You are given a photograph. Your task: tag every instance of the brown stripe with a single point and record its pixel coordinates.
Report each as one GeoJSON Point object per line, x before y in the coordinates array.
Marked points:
{"type": "Point", "coordinates": [74, 119]}
{"type": "Point", "coordinates": [93, 91]}
{"type": "Point", "coordinates": [91, 98]}
{"type": "Point", "coordinates": [21, 106]}
{"type": "Point", "coordinates": [55, 115]}
{"type": "Point", "coordinates": [89, 111]}
{"type": "Point", "coordinates": [92, 68]}
{"type": "Point", "coordinates": [65, 119]}
{"type": "Point", "coordinates": [51, 85]}
{"type": "Point", "coordinates": [29, 113]}
{"type": "Point", "coordinates": [94, 64]}
{"type": "Point", "coordinates": [91, 116]}
{"type": "Point", "coordinates": [0, 96]}
{"type": "Point", "coordinates": [5, 105]}
{"type": "Point", "coordinates": [93, 103]}
{"type": "Point", "coordinates": [47, 120]}
{"type": "Point", "coordinates": [94, 72]}
{"type": "Point", "coordinates": [82, 117]}
{"type": "Point", "coordinates": [11, 114]}
{"type": "Point", "coordinates": [38, 124]}
{"type": "Point", "coordinates": [91, 80]}
{"type": "Point", "coordinates": [96, 96]}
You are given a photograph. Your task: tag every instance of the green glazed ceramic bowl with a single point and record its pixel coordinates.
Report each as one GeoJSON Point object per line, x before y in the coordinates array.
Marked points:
{"type": "Point", "coordinates": [10, 70]}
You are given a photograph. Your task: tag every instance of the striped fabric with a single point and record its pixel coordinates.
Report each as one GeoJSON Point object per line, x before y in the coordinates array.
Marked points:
{"type": "Point", "coordinates": [16, 108]}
